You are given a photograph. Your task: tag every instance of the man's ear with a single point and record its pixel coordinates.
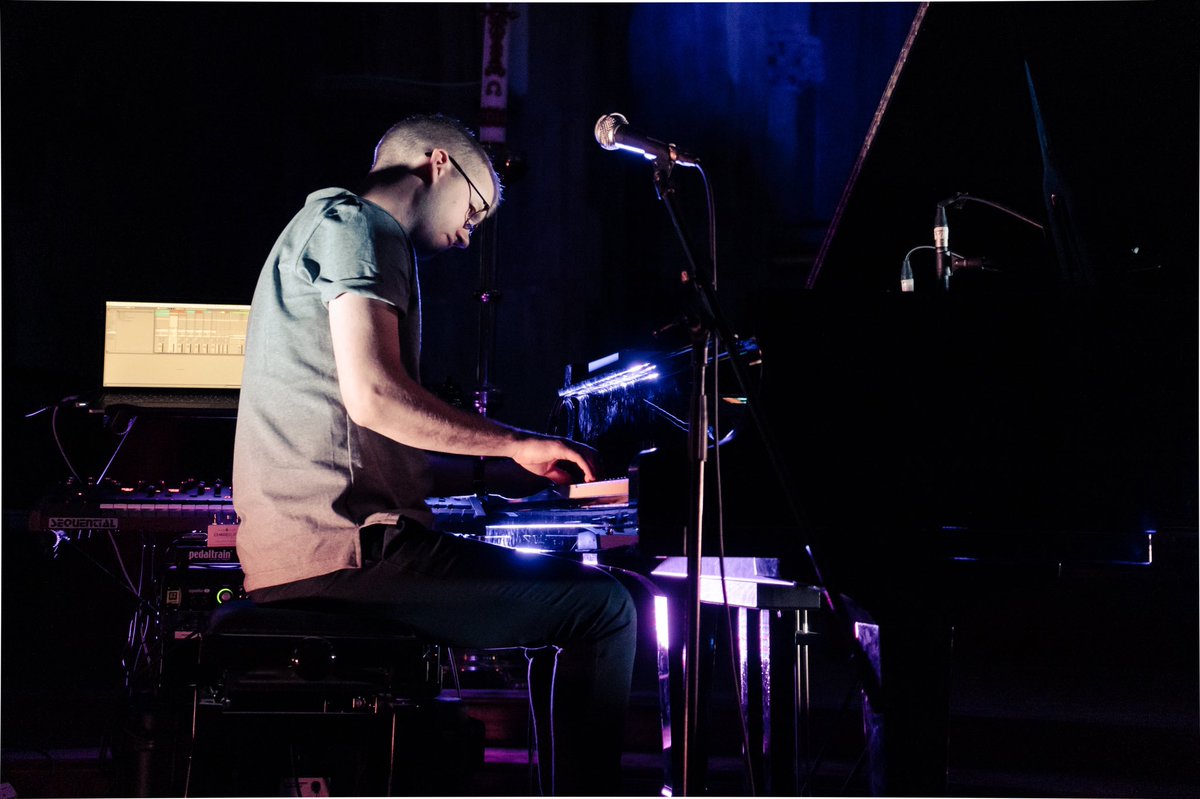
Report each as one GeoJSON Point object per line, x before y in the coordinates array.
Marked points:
{"type": "Point", "coordinates": [438, 164]}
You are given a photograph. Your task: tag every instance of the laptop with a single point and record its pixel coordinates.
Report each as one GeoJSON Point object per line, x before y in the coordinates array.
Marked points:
{"type": "Point", "coordinates": [172, 356]}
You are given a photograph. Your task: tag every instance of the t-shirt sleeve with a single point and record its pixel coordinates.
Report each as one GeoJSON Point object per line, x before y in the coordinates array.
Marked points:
{"type": "Point", "coordinates": [350, 252]}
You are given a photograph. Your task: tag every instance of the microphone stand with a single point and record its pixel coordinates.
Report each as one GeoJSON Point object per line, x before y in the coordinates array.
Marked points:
{"type": "Point", "coordinates": [702, 333]}
{"type": "Point", "coordinates": [702, 330]}
{"type": "Point", "coordinates": [488, 295]}
{"type": "Point", "coordinates": [709, 321]}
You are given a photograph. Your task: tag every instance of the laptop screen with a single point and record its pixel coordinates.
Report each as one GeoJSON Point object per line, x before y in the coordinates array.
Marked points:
{"type": "Point", "coordinates": [174, 345]}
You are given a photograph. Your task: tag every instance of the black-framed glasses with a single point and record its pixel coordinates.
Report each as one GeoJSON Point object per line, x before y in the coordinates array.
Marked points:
{"type": "Point", "coordinates": [474, 218]}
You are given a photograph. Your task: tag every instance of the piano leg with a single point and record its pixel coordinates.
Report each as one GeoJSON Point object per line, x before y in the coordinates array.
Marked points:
{"type": "Point", "coordinates": [773, 652]}
{"type": "Point", "coordinates": [907, 727]}
{"type": "Point", "coordinates": [697, 760]}
{"type": "Point", "coordinates": [667, 665]}
{"type": "Point", "coordinates": [667, 625]}
{"type": "Point", "coordinates": [671, 624]}
{"type": "Point", "coordinates": [789, 702]}
{"type": "Point", "coordinates": [754, 658]}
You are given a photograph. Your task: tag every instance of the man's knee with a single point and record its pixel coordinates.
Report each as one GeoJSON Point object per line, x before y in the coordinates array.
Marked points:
{"type": "Point", "coordinates": [621, 609]}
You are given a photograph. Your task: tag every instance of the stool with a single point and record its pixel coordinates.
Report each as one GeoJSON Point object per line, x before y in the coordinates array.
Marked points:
{"type": "Point", "coordinates": [302, 701]}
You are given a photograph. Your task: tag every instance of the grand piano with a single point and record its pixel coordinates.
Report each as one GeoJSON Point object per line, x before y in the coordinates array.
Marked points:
{"type": "Point", "coordinates": [945, 425]}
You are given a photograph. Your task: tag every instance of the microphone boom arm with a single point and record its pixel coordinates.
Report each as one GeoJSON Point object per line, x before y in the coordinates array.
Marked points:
{"type": "Point", "coordinates": [958, 199]}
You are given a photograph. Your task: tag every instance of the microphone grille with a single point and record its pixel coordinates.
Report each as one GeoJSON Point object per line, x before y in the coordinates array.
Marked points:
{"type": "Point", "coordinates": [606, 130]}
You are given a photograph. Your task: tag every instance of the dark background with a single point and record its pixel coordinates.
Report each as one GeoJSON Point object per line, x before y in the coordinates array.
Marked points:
{"type": "Point", "coordinates": [154, 151]}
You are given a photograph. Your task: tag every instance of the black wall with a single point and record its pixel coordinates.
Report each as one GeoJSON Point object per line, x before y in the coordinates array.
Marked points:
{"type": "Point", "coordinates": [153, 151]}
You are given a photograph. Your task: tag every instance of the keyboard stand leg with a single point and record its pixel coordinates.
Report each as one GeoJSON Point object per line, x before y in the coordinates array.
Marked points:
{"type": "Point", "coordinates": [774, 686]}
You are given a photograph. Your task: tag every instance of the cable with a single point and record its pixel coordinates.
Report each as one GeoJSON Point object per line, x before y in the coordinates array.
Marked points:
{"type": "Point", "coordinates": [454, 672]}
{"type": "Point", "coordinates": [712, 224]}
{"type": "Point", "coordinates": [535, 763]}
{"type": "Point", "coordinates": [127, 585]}
{"type": "Point", "coordinates": [812, 771]}
{"type": "Point", "coordinates": [58, 441]}
{"type": "Point", "coordinates": [136, 646]}
{"type": "Point", "coordinates": [716, 458]}
{"type": "Point", "coordinates": [553, 735]}
{"type": "Point", "coordinates": [295, 771]}
{"type": "Point", "coordinates": [695, 272]}
{"type": "Point", "coordinates": [732, 644]}
{"type": "Point", "coordinates": [908, 254]}
{"type": "Point", "coordinates": [958, 199]}
{"type": "Point", "coordinates": [675, 421]}
{"type": "Point", "coordinates": [906, 273]}
{"type": "Point", "coordinates": [853, 770]}
{"type": "Point", "coordinates": [133, 589]}
{"type": "Point", "coordinates": [124, 435]}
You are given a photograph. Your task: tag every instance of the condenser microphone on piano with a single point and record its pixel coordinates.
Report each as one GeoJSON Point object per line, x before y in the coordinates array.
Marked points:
{"type": "Point", "coordinates": [941, 245]}
{"type": "Point", "coordinates": [613, 133]}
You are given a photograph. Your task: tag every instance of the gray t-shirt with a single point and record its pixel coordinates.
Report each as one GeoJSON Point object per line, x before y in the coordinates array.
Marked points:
{"type": "Point", "coordinates": [305, 477]}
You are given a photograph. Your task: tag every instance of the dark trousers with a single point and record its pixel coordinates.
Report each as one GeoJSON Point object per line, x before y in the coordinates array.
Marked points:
{"type": "Point", "coordinates": [465, 593]}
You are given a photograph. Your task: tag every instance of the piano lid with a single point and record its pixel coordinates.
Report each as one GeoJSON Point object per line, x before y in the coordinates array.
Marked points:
{"type": "Point", "coordinates": [1059, 392]}
{"type": "Point", "coordinates": [1079, 116]}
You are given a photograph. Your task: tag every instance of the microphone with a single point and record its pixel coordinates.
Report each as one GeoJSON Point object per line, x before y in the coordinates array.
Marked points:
{"type": "Point", "coordinates": [982, 263]}
{"type": "Point", "coordinates": [941, 244]}
{"type": "Point", "coordinates": [613, 133]}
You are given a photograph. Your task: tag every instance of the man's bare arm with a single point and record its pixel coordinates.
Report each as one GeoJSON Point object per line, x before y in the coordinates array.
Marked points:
{"type": "Point", "coordinates": [380, 395]}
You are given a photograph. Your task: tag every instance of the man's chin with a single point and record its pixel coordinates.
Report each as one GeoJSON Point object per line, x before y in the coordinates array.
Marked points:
{"type": "Point", "coordinates": [427, 250]}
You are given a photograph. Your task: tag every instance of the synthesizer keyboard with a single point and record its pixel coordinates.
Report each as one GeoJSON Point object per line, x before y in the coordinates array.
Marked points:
{"type": "Point", "coordinates": [143, 507]}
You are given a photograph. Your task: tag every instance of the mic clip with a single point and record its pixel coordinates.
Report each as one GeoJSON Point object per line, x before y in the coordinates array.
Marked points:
{"type": "Point", "coordinates": [956, 202]}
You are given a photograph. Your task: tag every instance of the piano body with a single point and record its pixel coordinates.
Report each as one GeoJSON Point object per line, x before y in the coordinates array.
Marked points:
{"type": "Point", "coordinates": [1041, 408]}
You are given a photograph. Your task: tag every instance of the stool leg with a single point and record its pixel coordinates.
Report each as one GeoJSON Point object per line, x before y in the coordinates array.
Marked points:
{"type": "Point", "coordinates": [391, 770]}
{"type": "Point", "coordinates": [191, 745]}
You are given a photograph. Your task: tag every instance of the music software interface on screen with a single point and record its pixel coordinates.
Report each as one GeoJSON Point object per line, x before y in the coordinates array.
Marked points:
{"type": "Point", "coordinates": [174, 345]}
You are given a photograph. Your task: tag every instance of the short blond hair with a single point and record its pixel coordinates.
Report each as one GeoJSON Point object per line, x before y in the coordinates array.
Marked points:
{"type": "Point", "coordinates": [406, 143]}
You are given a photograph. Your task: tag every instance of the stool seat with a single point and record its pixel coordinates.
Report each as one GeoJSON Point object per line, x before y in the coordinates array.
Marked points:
{"type": "Point", "coordinates": [244, 616]}
{"type": "Point", "coordinates": [291, 696]}
{"type": "Point", "coordinates": [254, 656]}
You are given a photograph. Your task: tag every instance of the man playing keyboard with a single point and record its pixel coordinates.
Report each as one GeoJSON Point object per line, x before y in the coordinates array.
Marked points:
{"type": "Point", "coordinates": [335, 435]}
